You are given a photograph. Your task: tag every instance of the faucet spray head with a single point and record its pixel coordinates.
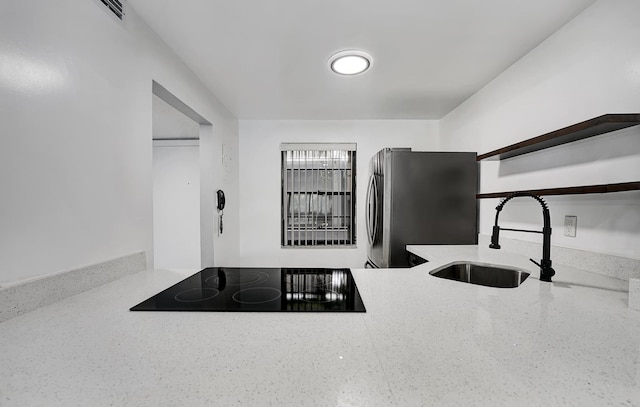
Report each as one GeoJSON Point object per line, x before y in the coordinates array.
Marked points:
{"type": "Point", "coordinates": [495, 236]}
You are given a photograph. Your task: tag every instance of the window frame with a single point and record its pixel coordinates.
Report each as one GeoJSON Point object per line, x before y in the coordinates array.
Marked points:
{"type": "Point", "coordinates": [325, 174]}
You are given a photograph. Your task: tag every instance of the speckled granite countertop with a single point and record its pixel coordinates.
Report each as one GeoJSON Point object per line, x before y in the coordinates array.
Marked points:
{"type": "Point", "coordinates": [423, 341]}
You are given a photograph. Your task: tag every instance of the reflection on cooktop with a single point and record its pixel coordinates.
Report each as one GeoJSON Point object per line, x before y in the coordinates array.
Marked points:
{"type": "Point", "coordinates": [260, 289]}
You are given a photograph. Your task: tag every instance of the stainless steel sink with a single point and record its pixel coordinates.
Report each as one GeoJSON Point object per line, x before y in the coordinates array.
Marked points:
{"type": "Point", "coordinates": [482, 274]}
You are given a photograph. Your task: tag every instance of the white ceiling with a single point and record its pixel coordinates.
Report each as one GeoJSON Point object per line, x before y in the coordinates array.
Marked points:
{"type": "Point", "coordinates": [267, 59]}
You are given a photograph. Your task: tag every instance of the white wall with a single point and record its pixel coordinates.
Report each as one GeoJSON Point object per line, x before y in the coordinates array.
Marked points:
{"type": "Point", "coordinates": [260, 178]}
{"type": "Point", "coordinates": [75, 148]}
{"type": "Point", "coordinates": [588, 68]}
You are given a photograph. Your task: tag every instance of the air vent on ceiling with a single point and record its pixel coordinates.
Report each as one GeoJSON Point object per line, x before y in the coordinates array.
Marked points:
{"type": "Point", "coordinates": [115, 6]}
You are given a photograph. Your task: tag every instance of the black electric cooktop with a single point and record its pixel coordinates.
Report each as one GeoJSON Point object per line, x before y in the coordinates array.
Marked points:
{"type": "Point", "coordinates": [260, 289]}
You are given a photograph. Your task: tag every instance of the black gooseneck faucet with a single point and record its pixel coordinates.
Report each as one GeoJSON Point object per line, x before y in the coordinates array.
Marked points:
{"type": "Point", "coordinates": [546, 271]}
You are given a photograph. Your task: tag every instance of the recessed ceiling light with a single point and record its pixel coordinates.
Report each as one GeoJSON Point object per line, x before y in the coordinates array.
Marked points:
{"type": "Point", "coordinates": [351, 62]}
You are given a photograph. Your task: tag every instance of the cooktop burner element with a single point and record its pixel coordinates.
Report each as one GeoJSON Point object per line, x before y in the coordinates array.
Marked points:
{"type": "Point", "coordinates": [196, 294]}
{"type": "Point", "coordinates": [257, 295]}
{"type": "Point", "coordinates": [246, 278]}
{"type": "Point", "coordinates": [260, 289]}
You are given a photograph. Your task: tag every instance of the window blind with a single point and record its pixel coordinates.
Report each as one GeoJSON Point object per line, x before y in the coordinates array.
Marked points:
{"type": "Point", "coordinates": [318, 199]}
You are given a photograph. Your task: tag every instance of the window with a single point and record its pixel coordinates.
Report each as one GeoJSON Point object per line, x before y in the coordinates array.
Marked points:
{"type": "Point", "coordinates": [318, 199]}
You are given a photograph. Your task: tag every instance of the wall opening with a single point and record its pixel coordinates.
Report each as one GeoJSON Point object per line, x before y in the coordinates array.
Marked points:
{"type": "Point", "coordinates": [181, 235]}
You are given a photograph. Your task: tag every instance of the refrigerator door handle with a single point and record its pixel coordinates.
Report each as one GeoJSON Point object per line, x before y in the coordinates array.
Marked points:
{"type": "Point", "coordinates": [372, 209]}
{"type": "Point", "coordinates": [368, 212]}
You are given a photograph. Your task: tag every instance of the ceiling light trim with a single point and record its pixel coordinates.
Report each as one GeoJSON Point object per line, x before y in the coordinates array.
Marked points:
{"type": "Point", "coordinates": [350, 62]}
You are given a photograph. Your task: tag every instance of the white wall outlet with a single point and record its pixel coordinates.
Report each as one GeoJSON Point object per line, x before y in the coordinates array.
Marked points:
{"type": "Point", "coordinates": [570, 225]}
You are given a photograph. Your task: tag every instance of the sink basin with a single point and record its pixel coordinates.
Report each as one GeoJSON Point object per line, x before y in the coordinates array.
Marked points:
{"type": "Point", "coordinates": [482, 274]}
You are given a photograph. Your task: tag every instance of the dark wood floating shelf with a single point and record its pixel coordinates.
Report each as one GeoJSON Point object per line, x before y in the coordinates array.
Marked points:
{"type": "Point", "coordinates": [593, 127]}
{"type": "Point", "coordinates": [588, 189]}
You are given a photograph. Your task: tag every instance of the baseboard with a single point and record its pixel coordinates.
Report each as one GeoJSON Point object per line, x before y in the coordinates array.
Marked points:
{"type": "Point", "coordinates": [612, 266]}
{"type": "Point", "coordinates": [30, 295]}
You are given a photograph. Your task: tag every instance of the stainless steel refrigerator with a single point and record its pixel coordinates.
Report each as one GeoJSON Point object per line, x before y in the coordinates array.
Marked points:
{"type": "Point", "coordinates": [416, 197]}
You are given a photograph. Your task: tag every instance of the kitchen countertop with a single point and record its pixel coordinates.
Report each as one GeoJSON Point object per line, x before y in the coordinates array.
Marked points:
{"type": "Point", "coordinates": [423, 341]}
